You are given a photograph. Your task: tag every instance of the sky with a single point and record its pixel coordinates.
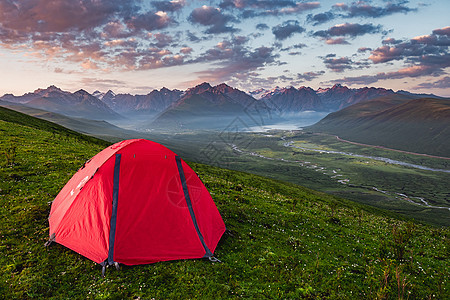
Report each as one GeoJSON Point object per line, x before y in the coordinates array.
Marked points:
{"type": "Point", "coordinates": [137, 46]}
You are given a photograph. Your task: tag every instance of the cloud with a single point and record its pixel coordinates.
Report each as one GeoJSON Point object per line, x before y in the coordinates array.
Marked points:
{"type": "Point", "coordinates": [186, 50]}
{"type": "Point", "coordinates": [257, 8]}
{"type": "Point", "coordinates": [308, 76]}
{"type": "Point", "coordinates": [41, 16]}
{"type": "Point", "coordinates": [412, 71]}
{"type": "Point", "coordinates": [55, 16]}
{"type": "Point", "coordinates": [269, 5]}
{"type": "Point", "coordinates": [420, 49]}
{"type": "Point", "coordinates": [102, 84]}
{"type": "Point", "coordinates": [169, 6]}
{"type": "Point", "coordinates": [212, 17]}
{"type": "Point", "coordinates": [359, 9]}
{"type": "Point", "coordinates": [243, 4]}
{"type": "Point", "coordinates": [162, 40]}
{"type": "Point", "coordinates": [92, 33]}
{"type": "Point", "coordinates": [364, 49]}
{"type": "Point", "coordinates": [348, 29]}
{"type": "Point", "coordinates": [262, 26]}
{"type": "Point", "coordinates": [232, 60]}
{"type": "Point", "coordinates": [336, 41]}
{"type": "Point", "coordinates": [442, 83]}
{"type": "Point", "coordinates": [298, 8]}
{"type": "Point", "coordinates": [426, 55]}
{"type": "Point", "coordinates": [442, 31]}
{"type": "Point", "coordinates": [391, 41]}
{"type": "Point", "coordinates": [366, 10]}
{"type": "Point", "coordinates": [149, 21]}
{"type": "Point", "coordinates": [338, 64]}
{"type": "Point", "coordinates": [320, 18]}
{"type": "Point", "coordinates": [287, 29]}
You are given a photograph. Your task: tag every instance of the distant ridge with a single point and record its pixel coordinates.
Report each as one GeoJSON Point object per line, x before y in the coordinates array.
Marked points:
{"type": "Point", "coordinates": [78, 104]}
{"type": "Point", "coordinates": [206, 107]}
{"type": "Point", "coordinates": [109, 105]}
{"type": "Point", "coordinates": [400, 122]}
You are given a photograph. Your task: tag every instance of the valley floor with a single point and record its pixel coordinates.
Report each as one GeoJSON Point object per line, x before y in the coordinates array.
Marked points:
{"type": "Point", "coordinates": [413, 186]}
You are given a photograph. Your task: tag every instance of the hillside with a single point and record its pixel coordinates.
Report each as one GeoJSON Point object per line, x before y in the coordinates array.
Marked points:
{"type": "Point", "coordinates": [282, 240]}
{"type": "Point", "coordinates": [399, 122]}
{"type": "Point", "coordinates": [100, 129]}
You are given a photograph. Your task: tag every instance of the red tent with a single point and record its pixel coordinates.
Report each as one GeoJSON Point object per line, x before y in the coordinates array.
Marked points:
{"type": "Point", "coordinates": [136, 202]}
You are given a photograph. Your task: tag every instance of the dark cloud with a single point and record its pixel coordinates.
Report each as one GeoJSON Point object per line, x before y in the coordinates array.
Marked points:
{"type": "Point", "coordinates": [442, 31]}
{"type": "Point", "coordinates": [391, 41]}
{"type": "Point", "coordinates": [366, 10]}
{"type": "Point", "coordinates": [149, 21]}
{"type": "Point", "coordinates": [412, 71]}
{"type": "Point", "coordinates": [280, 79]}
{"type": "Point", "coordinates": [162, 40]}
{"type": "Point", "coordinates": [192, 37]}
{"type": "Point", "coordinates": [320, 18]}
{"type": "Point", "coordinates": [348, 29]}
{"type": "Point", "coordinates": [361, 9]}
{"type": "Point", "coordinates": [262, 26]}
{"type": "Point", "coordinates": [364, 49]}
{"type": "Point", "coordinates": [41, 16]}
{"type": "Point", "coordinates": [424, 49]}
{"type": "Point", "coordinates": [299, 46]}
{"type": "Point", "coordinates": [95, 34]}
{"type": "Point", "coordinates": [295, 46]}
{"type": "Point", "coordinates": [308, 76]}
{"type": "Point", "coordinates": [234, 60]}
{"type": "Point", "coordinates": [212, 17]}
{"type": "Point", "coordinates": [259, 4]}
{"type": "Point", "coordinates": [426, 55]}
{"type": "Point", "coordinates": [287, 29]}
{"type": "Point", "coordinates": [338, 64]}
{"type": "Point", "coordinates": [442, 83]}
{"type": "Point", "coordinates": [255, 8]}
{"type": "Point", "coordinates": [56, 16]}
{"type": "Point", "coordinates": [169, 6]}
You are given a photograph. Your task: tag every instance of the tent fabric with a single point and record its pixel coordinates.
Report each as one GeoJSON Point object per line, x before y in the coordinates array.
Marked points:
{"type": "Point", "coordinates": [136, 202]}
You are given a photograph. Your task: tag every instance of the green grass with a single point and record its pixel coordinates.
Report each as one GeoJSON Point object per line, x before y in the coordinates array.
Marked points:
{"type": "Point", "coordinates": [282, 240]}
{"type": "Point", "coordinates": [321, 171]}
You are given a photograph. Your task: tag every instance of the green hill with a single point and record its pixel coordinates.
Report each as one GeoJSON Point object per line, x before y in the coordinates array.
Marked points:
{"type": "Point", "coordinates": [282, 240]}
{"type": "Point", "coordinates": [417, 125]}
{"type": "Point", "coordinates": [100, 129]}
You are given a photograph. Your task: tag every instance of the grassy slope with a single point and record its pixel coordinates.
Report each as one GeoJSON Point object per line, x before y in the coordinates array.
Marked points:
{"type": "Point", "coordinates": [394, 122]}
{"type": "Point", "coordinates": [283, 241]}
{"type": "Point", "coordinates": [100, 129]}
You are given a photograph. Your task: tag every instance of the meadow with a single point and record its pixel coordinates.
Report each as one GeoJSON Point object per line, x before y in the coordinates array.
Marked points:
{"type": "Point", "coordinates": [282, 240]}
{"type": "Point", "coordinates": [396, 188]}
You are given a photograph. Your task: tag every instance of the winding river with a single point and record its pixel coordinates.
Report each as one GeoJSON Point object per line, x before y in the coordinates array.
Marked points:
{"type": "Point", "coordinates": [384, 159]}
{"type": "Point", "coordinates": [414, 200]}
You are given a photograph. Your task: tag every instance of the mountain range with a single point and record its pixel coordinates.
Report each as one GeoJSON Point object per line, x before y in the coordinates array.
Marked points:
{"type": "Point", "coordinates": [77, 104]}
{"type": "Point", "coordinates": [110, 106]}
